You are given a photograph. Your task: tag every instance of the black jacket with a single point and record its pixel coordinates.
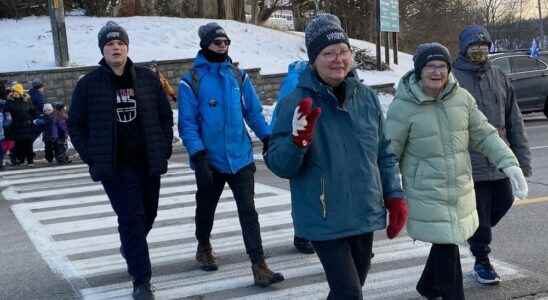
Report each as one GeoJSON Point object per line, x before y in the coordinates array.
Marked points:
{"type": "Point", "coordinates": [23, 113]}
{"type": "Point", "coordinates": [92, 121]}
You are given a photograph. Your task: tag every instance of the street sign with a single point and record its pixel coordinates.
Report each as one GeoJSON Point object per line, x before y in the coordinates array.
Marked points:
{"type": "Point", "coordinates": [389, 16]}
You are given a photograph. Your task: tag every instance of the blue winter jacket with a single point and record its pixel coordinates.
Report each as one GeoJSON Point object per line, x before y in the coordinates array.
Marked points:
{"type": "Point", "coordinates": [290, 81]}
{"type": "Point", "coordinates": [37, 99]}
{"type": "Point", "coordinates": [214, 120]}
{"type": "Point", "coordinates": [339, 182]}
{"type": "Point", "coordinates": [5, 119]}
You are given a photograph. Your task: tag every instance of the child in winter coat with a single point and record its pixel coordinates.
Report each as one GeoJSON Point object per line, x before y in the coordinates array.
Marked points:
{"type": "Point", "coordinates": [45, 122]}
{"type": "Point", "coordinates": [5, 121]}
{"type": "Point", "coordinates": [54, 134]}
{"type": "Point", "coordinates": [60, 125]}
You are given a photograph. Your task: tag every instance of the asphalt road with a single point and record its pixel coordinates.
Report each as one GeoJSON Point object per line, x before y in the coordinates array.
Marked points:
{"type": "Point", "coordinates": [28, 254]}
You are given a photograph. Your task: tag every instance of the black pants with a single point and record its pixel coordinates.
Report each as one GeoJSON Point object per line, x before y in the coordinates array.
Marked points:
{"type": "Point", "coordinates": [346, 262]}
{"type": "Point", "coordinates": [442, 274]}
{"type": "Point", "coordinates": [493, 200]}
{"type": "Point", "coordinates": [23, 150]}
{"type": "Point", "coordinates": [242, 185]}
{"type": "Point", "coordinates": [56, 149]}
{"type": "Point", "coordinates": [133, 195]}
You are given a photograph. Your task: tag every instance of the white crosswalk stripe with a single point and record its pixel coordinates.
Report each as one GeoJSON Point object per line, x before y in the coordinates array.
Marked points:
{"type": "Point", "coordinates": [71, 223]}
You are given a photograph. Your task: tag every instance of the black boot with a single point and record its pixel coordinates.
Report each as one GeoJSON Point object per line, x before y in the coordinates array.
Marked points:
{"type": "Point", "coordinates": [302, 245]}
{"type": "Point", "coordinates": [143, 291]}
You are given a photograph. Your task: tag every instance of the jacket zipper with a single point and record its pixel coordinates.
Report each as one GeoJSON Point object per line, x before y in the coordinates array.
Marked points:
{"type": "Point", "coordinates": [323, 202]}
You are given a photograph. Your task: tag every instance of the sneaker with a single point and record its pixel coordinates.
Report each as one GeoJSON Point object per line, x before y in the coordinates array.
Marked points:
{"type": "Point", "coordinates": [263, 276]}
{"type": "Point", "coordinates": [30, 164]}
{"type": "Point", "coordinates": [205, 257]}
{"type": "Point", "coordinates": [302, 245]}
{"type": "Point", "coordinates": [485, 273]}
{"type": "Point", "coordinates": [143, 291]}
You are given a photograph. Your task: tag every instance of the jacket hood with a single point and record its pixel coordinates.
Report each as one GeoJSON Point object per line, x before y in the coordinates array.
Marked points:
{"type": "Point", "coordinates": [473, 34]}
{"type": "Point", "coordinates": [409, 89]}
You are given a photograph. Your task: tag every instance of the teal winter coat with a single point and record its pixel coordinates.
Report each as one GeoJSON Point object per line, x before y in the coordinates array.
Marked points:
{"type": "Point", "coordinates": [339, 181]}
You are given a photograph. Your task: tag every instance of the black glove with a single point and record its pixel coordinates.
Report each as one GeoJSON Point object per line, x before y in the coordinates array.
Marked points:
{"type": "Point", "coordinates": [265, 141]}
{"type": "Point", "coordinates": [204, 176]}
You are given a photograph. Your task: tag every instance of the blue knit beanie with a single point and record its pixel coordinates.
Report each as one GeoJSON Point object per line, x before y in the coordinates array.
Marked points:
{"type": "Point", "coordinates": [324, 30]}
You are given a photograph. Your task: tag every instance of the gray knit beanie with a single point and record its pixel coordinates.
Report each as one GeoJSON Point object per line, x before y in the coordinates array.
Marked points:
{"type": "Point", "coordinates": [209, 32]}
{"type": "Point", "coordinates": [324, 30]}
{"type": "Point", "coordinates": [112, 31]}
{"type": "Point", "coordinates": [428, 52]}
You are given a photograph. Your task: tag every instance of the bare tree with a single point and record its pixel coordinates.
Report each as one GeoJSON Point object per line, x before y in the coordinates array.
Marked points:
{"type": "Point", "coordinates": [262, 10]}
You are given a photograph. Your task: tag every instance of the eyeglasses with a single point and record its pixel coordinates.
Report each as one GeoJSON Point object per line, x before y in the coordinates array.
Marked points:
{"type": "Point", "coordinates": [333, 55]}
{"type": "Point", "coordinates": [220, 42]}
{"type": "Point", "coordinates": [433, 68]}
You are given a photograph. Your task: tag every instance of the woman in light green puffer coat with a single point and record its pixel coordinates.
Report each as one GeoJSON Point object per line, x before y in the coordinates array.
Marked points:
{"type": "Point", "coordinates": [432, 122]}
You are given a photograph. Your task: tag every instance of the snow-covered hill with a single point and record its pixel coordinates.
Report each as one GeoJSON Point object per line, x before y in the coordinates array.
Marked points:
{"type": "Point", "coordinates": [26, 44]}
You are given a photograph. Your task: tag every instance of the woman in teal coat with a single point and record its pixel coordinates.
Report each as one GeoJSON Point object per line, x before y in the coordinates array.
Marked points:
{"type": "Point", "coordinates": [432, 122]}
{"type": "Point", "coordinates": [342, 172]}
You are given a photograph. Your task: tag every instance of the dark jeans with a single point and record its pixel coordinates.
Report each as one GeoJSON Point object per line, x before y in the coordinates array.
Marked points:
{"type": "Point", "coordinates": [442, 274]}
{"type": "Point", "coordinates": [346, 262]}
{"type": "Point", "coordinates": [133, 195]}
{"type": "Point", "coordinates": [56, 149]}
{"type": "Point", "coordinates": [242, 185]}
{"type": "Point", "coordinates": [493, 200]}
{"type": "Point", "coordinates": [23, 150]}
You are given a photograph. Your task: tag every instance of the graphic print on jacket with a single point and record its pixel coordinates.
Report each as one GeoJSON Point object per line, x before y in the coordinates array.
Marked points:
{"type": "Point", "coordinates": [130, 145]}
{"type": "Point", "coordinates": [126, 106]}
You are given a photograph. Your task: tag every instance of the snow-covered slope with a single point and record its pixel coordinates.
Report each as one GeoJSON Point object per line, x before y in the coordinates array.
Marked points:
{"type": "Point", "coordinates": [27, 44]}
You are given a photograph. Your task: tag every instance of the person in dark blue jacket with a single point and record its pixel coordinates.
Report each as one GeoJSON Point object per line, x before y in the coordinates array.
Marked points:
{"type": "Point", "coordinates": [328, 139]}
{"type": "Point", "coordinates": [120, 123]}
{"type": "Point", "coordinates": [216, 101]}
{"type": "Point", "coordinates": [496, 99]}
{"type": "Point", "coordinates": [36, 94]}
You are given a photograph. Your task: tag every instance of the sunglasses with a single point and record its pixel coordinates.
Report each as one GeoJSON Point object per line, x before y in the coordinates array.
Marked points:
{"type": "Point", "coordinates": [219, 43]}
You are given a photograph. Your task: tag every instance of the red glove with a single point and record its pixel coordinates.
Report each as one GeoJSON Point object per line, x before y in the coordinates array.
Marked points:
{"type": "Point", "coordinates": [304, 120]}
{"type": "Point", "coordinates": [397, 215]}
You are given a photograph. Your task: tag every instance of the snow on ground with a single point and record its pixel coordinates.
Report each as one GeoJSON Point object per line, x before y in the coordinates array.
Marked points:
{"type": "Point", "coordinates": [27, 44]}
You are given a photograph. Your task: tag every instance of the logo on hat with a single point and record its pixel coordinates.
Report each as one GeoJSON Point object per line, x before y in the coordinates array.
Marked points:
{"type": "Point", "coordinates": [481, 37]}
{"type": "Point", "coordinates": [113, 35]}
{"type": "Point", "coordinates": [220, 31]}
{"type": "Point", "coordinates": [336, 36]}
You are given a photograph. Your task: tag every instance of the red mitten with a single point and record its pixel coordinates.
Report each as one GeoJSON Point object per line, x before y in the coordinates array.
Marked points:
{"type": "Point", "coordinates": [397, 215]}
{"type": "Point", "coordinates": [304, 120]}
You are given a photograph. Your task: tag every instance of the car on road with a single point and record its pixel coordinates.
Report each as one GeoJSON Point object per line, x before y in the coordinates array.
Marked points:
{"type": "Point", "coordinates": [528, 75]}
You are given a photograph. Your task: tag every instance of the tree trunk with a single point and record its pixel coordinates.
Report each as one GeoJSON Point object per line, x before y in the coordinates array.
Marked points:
{"type": "Point", "coordinates": [221, 10]}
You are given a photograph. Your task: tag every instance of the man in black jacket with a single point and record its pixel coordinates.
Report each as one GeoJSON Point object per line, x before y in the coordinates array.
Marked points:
{"type": "Point", "coordinates": [120, 122]}
{"type": "Point", "coordinates": [497, 101]}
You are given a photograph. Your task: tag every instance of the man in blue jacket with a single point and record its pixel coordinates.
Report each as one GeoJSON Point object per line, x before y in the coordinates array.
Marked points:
{"type": "Point", "coordinates": [496, 100]}
{"type": "Point", "coordinates": [216, 100]}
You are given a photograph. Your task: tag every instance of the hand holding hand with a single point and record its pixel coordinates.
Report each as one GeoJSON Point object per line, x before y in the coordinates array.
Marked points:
{"type": "Point", "coordinates": [304, 121]}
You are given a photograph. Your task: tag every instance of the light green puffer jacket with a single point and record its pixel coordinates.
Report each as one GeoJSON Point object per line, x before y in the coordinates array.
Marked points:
{"type": "Point", "coordinates": [430, 136]}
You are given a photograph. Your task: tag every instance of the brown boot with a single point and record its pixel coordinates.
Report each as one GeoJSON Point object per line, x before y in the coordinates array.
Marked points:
{"type": "Point", "coordinates": [204, 256]}
{"type": "Point", "coordinates": [263, 276]}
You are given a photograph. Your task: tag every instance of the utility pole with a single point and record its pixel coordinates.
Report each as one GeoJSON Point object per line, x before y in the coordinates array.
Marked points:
{"type": "Point", "coordinates": [541, 24]}
{"type": "Point", "coordinates": [59, 32]}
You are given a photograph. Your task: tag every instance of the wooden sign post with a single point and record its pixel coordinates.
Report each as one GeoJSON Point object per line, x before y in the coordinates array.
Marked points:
{"type": "Point", "coordinates": [59, 32]}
